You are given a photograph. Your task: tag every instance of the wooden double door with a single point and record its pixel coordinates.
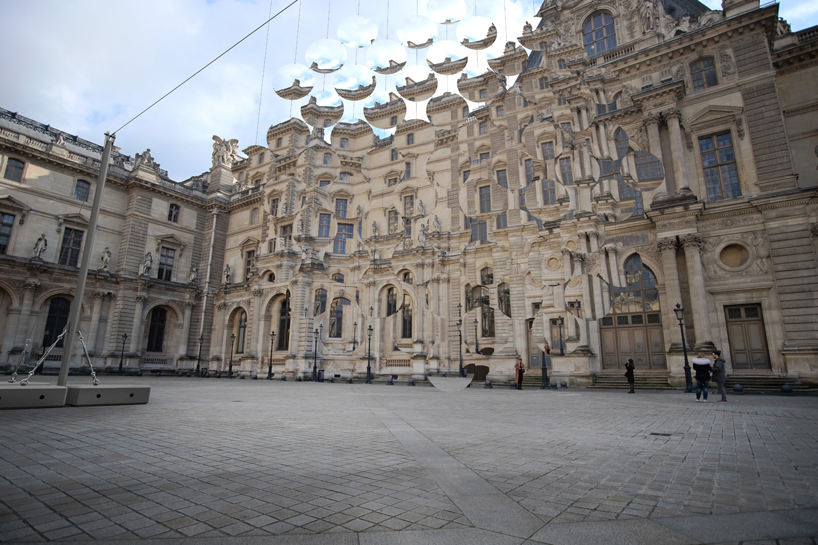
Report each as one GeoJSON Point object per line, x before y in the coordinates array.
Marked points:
{"type": "Point", "coordinates": [636, 336]}
{"type": "Point", "coordinates": [748, 340]}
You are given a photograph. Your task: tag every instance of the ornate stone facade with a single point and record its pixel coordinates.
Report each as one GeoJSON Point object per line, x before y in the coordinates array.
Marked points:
{"type": "Point", "coordinates": [581, 204]}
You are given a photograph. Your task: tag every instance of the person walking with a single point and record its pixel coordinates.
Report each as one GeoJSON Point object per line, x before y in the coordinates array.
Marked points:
{"type": "Point", "coordinates": [701, 366]}
{"type": "Point", "coordinates": [629, 374]}
{"type": "Point", "coordinates": [719, 374]}
{"type": "Point", "coordinates": [519, 371]}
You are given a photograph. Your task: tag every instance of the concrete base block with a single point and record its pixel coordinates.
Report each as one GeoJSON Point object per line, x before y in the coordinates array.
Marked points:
{"type": "Point", "coordinates": [450, 384]}
{"type": "Point", "coordinates": [88, 394]}
{"type": "Point", "coordinates": [32, 396]}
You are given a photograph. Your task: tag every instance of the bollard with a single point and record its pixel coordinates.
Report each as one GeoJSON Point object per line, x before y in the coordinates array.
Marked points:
{"type": "Point", "coordinates": [563, 384]}
{"type": "Point", "coordinates": [487, 385]}
{"type": "Point", "coordinates": [411, 382]}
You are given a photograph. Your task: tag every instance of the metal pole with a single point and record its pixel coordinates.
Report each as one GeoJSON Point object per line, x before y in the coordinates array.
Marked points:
{"type": "Point", "coordinates": [460, 372]}
{"type": "Point", "coordinates": [270, 363]}
{"type": "Point", "coordinates": [562, 345]}
{"type": "Point", "coordinates": [315, 357]}
{"type": "Point", "coordinates": [122, 354]}
{"type": "Point", "coordinates": [76, 305]}
{"type": "Point", "coordinates": [199, 357]}
{"type": "Point", "coordinates": [688, 376]}
{"type": "Point", "coordinates": [476, 339]}
{"type": "Point", "coordinates": [354, 330]}
{"type": "Point", "coordinates": [230, 369]}
{"type": "Point", "coordinates": [369, 357]}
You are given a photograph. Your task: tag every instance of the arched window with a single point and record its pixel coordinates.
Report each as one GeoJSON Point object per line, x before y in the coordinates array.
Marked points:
{"type": "Point", "coordinates": [336, 317]}
{"type": "Point", "coordinates": [272, 276]}
{"type": "Point", "coordinates": [82, 190]}
{"type": "Point", "coordinates": [338, 277]}
{"type": "Point", "coordinates": [487, 276]}
{"type": "Point", "coordinates": [283, 342]}
{"type": "Point", "coordinates": [408, 277]}
{"type": "Point", "coordinates": [391, 301]}
{"type": "Point", "coordinates": [241, 332]}
{"type": "Point", "coordinates": [58, 310]}
{"type": "Point", "coordinates": [641, 294]}
{"type": "Point", "coordinates": [504, 298]}
{"type": "Point", "coordinates": [599, 34]}
{"type": "Point", "coordinates": [320, 302]}
{"type": "Point", "coordinates": [14, 172]}
{"type": "Point", "coordinates": [704, 74]}
{"type": "Point", "coordinates": [626, 192]}
{"type": "Point", "coordinates": [406, 321]}
{"type": "Point", "coordinates": [156, 329]}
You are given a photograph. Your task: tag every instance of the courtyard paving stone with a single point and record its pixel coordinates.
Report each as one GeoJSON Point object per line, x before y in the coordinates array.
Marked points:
{"type": "Point", "coordinates": [256, 462]}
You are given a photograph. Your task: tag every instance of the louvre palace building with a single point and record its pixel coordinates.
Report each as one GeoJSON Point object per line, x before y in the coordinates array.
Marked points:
{"type": "Point", "coordinates": [634, 156]}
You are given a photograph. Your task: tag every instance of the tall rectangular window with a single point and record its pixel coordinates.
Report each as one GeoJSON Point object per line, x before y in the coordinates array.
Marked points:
{"type": "Point", "coordinates": [166, 258]}
{"type": "Point", "coordinates": [466, 174]}
{"type": "Point", "coordinates": [14, 170]}
{"type": "Point", "coordinates": [173, 213]}
{"type": "Point", "coordinates": [249, 263]}
{"type": "Point", "coordinates": [341, 208]}
{"type": "Point", "coordinates": [260, 158]}
{"type": "Point", "coordinates": [344, 233]}
{"type": "Point", "coordinates": [393, 121]}
{"type": "Point", "coordinates": [566, 171]}
{"type": "Point", "coordinates": [502, 220]}
{"type": "Point", "coordinates": [485, 199]}
{"type": "Point", "coordinates": [719, 162]}
{"type": "Point", "coordinates": [254, 216]}
{"type": "Point", "coordinates": [549, 192]}
{"type": "Point", "coordinates": [407, 170]}
{"type": "Point", "coordinates": [71, 244]}
{"type": "Point", "coordinates": [410, 139]}
{"type": "Point", "coordinates": [501, 112]}
{"type": "Point", "coordinates": [567, 127]}
{"type": "Point", "coordinates": [543, 83]}
{"type": "Point", "coordinates": [323, 225]}
{"type": "Point", "coordinates": [502, 178]}
{"type": "Point", "coordinates": [6, 224]}
{"type": "Point", "coordinates": [393, 222]}
{"type": "Point", "coordinates": [344, 143]}
{"type": "Point", "coordinates": [274, 207]}
{"type": "Point", "coordinates": [548, 150]}
{"type": "Point", "coordinates": [484, 127]}
{"type": "Point", "coordinates": [479, 231]}
{"type": "Point", "coordinates": [278, 142]}
{"type": "Point", "coordinates": [393, 155]}
{"type": "Point", "coordinates": [82, 190]}
{"type": "Point", "coordinates": [529, 171]}
{"type": "Point", "coordinates": [327, 158]}
{"type": "Point", "coordinates": [484, 156]}
{"type": "Point", "coordinates": [271, 245]}
{"type": "Point", "coordinates": [465, 112]}
{"type": "Point", "coordinates": [409, 205]}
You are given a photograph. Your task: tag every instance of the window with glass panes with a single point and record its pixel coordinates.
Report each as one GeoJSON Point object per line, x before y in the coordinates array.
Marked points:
{"type": "Point", "coordinates": [156, 329]}
{"type": "Point", "coordinates": [173, 213]}
{"type": "Point", "coordinates": [407, 170]}
{"type": "Point", "coordinates": [502, 220]}
{"type": "Point", "coordinates": [466, 174]}
{"type": "Point", "coordinates": [547, 150]}
{"type": "Point", "coordinates": [324, 183]}
{"type": "Point", "coordinates": [484, 127]}
{"type": "Point", "coordinates": [501, 112]}
{"type": "Point", "coordinates": [393, 155]}
{"type": "Point", "coordinates": [249, 263]}
{"type": "Point", "coordinates": [465, 112]}
{"type": "Point", "coordinates": [6, 225]}
{"type": "Point", "coordinates": [484, 156]}
{"type": "Point", "coordinates": [278, 142]}
{"type": "Point", "coordinates": [393, 121]}
{"type": "Point", "coordinates": [283, 337]}
{"type": "Point", "coordinates": [241, 336]}
{"type": "Point", "coordinates": [393, 222]}
{"type": "Point", "coordinates": [479, 231]}
{"type": "Point", "coordinates": [529, 171]}
{"type": "Point", "coordinates": [502, 178]}
{"type": "Point", "coordinates": [320, 302]}
{"type": "Point", "coordinates": [82, 190]}
{"type": "Point", "coordinates": [567, 171]}
{"type": "Point", "coordinates": [567, 127]}
{"type": "Point", "coordinates": [549, 192]}
{"type": "Point", "coordinates": [166, 258]}
{"type": "Point", "coordinates": [485, 199]}
{"type": "Point", "coordinates": [543, 83]}
{"type": "Point", "coordinates": [703, 73]}
{"type": "Point", "coordinates": [14, 170]}
{"type": "Point", "coordinates": [409, 205]}
{"type": "Point", "coordinates": [484, 93]}
{"type": "Point", "coordinates": [323, 225]}
{"type": "Point", "coordinates": [392, 182]}
{"type": "Point", "coordinates": [336, 317]}
{"type": "Point", "coordinates": [406, 317]}
{"type": "Point", "coordinates": [344, 232]}
{"type": "Point", "coordinates": [71, 244]}
{"type": "Point", "coordinates": [327, 158]}
{"type": "Point", "coordinates": [599, 34]}
{"type": "Point", "coordinates": [274, 207]}
{"type": "Point", "coordinates": [344, 143]}
{"type": "Point", "coordinates": [58, 311]}
{"type": "Point", "coordinates": [522, 197]}
{"type": "Point", "coordinates": [341, 208]}
{"type": "Point", "coordinates": [410, 139]}
{"type": "Point", "coordinates": [719, 162]}
{"type": "Point", "coordinates": [345, 176]}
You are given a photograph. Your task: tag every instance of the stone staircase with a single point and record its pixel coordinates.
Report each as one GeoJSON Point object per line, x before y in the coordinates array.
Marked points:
{"type": "Point", "coordinates": [614, 382]}
{"type": "Point", "coordinates": [768, 384]}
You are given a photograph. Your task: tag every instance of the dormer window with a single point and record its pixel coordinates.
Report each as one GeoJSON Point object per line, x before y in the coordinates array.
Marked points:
{"type": "Point", "coordinates": [599, 34]}
{"type": "Point", "coordinates": [345, 176]}
{"type": "Point", "coordinates": [561, 64]}
{"type": "Point", "coordinates": [543, 83]}
{"type": "Point", "coordinates": [704, 74]}
{"type": "Point", "coordinates": [465, 112]}
{"type": "Point", "coordinates": [501, 111]}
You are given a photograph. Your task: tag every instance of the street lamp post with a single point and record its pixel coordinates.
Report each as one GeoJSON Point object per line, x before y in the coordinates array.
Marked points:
{"type": "Point", "coordinates": [122, 354]}
{"type": "Point", "coordinates": [461, 372]}
{"type": "Point", "coordinates": [270, 363]}
{"type": "Point", "coordinates": [230, 369]}
{"type": "Point", "coordinates": [680, 315]}
{"type": "Point", "coordinates": [561, 322]}
{"type": "Point", "coordinates": [476, 340]}
{"type": "Point", "coordinates": [354, 334]}
{"type": "Point", "coordinates": [369, 356]}
{"type": "Point", "coordinates": [315, 357]}
{"type": "Point", "coordinates": [199, 357]}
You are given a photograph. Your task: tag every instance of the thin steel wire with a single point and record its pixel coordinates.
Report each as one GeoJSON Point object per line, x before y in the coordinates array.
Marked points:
{"type": "Point", "coordinates": [205, 66]}
{"type": "Point", "coordinates": [263, 67]}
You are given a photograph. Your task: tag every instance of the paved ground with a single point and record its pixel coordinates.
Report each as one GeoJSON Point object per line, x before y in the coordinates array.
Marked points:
{"type": "Point", "coordinates": [255, 462]}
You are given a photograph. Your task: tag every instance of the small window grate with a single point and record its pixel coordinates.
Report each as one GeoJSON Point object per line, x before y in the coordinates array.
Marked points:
{"type": "Point", "coordinates": [607, 321]}
{"type": "Point", "coordinates": [751, 312]}
{"type": "Point", "coordinates": [621, 320]}
{"type": "Point", "coordinates": [654, 319]}
{"type": "Point", "coordinates": [734, 313]}
{"type": "Point", "coordinates": [637, 319]}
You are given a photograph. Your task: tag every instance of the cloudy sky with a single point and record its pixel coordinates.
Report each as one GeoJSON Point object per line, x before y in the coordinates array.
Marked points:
{"type": "Point", "coordinates": [88, 66]}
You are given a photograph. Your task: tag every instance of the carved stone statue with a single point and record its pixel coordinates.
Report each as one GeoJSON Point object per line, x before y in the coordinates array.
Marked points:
{"type": "Point", "coordinates": [40, 246]}
{"type": "Point", "coordinates": [436, 224]}
{"type": "Point", "coordinates": [105, 259]}
{"type": "Point", "coordinates": [225, 152]}
{"type": "Point", "coordinates": [647, 13]}
{"type": "Point", "coordinates": [146, 265]}
{"type": "Point", "coordinates": [422, 238]}
{"type": "Point", "coordinates": [374, 228]}
{"type": "Point", "coordinates": [299, 227]}
{"type": "Point", "coordinates": [501, 79]}
{"type": "Point", "coordinates": [303, 254]}
{"type": "Point", "coordinates": [145, 159]}
{"type": "Point", "coordinates": [228, 277]}
{"type": "Point", "coordinates": [60, 140]}
{"type": "Point", "coordinates": [527, 28]}
{"type": "Point", "coordinates": [359, 211]}
{"type": "Point", "coordinates": [193, 275]}
{"type": "Point", "coordinates": [421, 208]}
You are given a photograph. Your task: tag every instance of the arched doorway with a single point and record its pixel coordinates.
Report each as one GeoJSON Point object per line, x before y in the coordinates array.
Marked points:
{"type": "Point", "coordinates": [55, 323]}
{"type": "Point", "coordinates": [633, 328]}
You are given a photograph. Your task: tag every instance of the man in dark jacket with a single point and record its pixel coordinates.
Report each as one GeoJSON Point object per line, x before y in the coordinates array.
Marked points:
{"type": "Point", "coordinates": [719, 374]}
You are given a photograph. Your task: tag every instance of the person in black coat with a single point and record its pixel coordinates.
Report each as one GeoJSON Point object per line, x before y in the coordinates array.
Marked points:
{"type": "Point", "coordinates": [701, 366]}
{"type": "Point", "coordinates": [629, 374]}
{"type": "Point", "coordinates": [720, 374]}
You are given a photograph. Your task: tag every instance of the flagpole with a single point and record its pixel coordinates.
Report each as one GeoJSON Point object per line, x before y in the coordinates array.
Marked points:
{"type": "Point", "coordinates": [76, 305]}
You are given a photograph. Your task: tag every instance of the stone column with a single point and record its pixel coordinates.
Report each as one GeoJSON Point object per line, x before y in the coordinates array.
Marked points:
{"type": "Point", "coordinates": [651, 123]}
{"type": "Point", "coordinates": [584, 111]}
{"type": "Point", "coordinates": [181, 349]}
{"type": "Point", "coordinates": [677, 146]}
{"type": "Point", "coordinates": [673, 291]}
{"type": "Point", "coordinates": [136, 327]}
{"type": "Point", "coordinates": [104, 333]}
{"type": "Point", "coordinates": [222, 308]}
{"type": "Point", "coordinates": [96, 310]}
{"type": "Point", "coordinates": [25, 313]}
{"type": "Point", "coordinates": [698, 295]}
{"type": "Point", "coordinates": [575, 116]}
{"type": "Point", "coordinates": [258, 293]}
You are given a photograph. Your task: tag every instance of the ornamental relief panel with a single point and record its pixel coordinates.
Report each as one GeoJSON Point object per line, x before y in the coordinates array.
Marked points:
{"type": "Point", "coordinates": [741, 254]}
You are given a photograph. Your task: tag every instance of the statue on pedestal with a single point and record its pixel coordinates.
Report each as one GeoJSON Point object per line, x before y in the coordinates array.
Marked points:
{"type": "Point", "coordinates": [193, 275]}
{"type": "Point", "coordinates": [39, 247]}
{"type": "Point", "coordinates": [105, 259]}
{"type": "Point", "coordinates": [228, 278]}
{"type": "Point", "coordinates": [436, 223]}
{"type": "Point", "coordinates": [146, 265]}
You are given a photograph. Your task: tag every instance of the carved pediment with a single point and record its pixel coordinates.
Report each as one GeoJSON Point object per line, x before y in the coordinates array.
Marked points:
{"type": "Point", "coordinates": [250, 241]}
{"type": "Point", "coordinates": [714, 115]}
{"type": "Point", "coordinates": [14, 206]}
{"type": "Point", "coordinates": [75, 220]}
{"type": "Point", "coordinates": [171, 240]}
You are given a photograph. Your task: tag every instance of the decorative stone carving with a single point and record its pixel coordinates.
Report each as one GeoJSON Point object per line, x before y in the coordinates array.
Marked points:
{"type": "Point", "coordinates": [141, 298]}
{"type": "Point", "coordinates": [193, 275]}
{"type": "Point", "coordinates": [228, 277]}
{"type": "Point", "coordinates": [104, 260]}
{"type": "Point", "coordinates": [221, 306]}
{"type": "Point", "coordinates": [256, 292]}
{"type": "Point", "coordinates": [39, 247]}
{"type": "Point", "coordinates": [422, 238]}
{"type": "Point", "coordinates": [692, 241]}
{"type": "Point", "coordinates": [666, 244]}
{"type": "Point", "coordinates": [755, 242]}
{"type": "Point", "coordinates": [225, 152]}
{"type": "Point", "coordinates": [728, 67]}
{"type": "Point", "coordinates": [146, 265]}
{"type": "Point", "coordinates": [436, 224]}
{"type": "Point", "coordinates": [32, 285]}
{"type": "Point", "coordinates": [145, 159]}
